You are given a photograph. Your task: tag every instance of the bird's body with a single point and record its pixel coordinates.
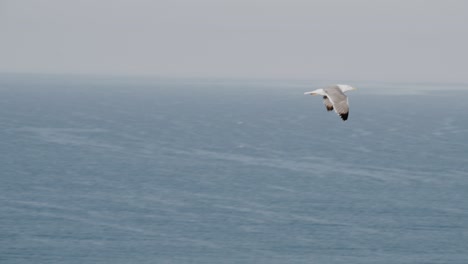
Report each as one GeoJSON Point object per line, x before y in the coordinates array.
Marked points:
{"type": "Point", "coordinates": [334, 98]}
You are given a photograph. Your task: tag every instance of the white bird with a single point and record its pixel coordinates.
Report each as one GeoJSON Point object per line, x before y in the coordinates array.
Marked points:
{"type": "Point", "coordinates": [334, 98]}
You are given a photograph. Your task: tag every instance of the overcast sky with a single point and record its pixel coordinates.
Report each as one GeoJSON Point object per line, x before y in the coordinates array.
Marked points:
{"type": "Point", "coordinates": [406, 40]}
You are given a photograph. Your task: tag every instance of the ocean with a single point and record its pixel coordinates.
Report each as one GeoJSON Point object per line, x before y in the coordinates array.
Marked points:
{"type": "Point", "coordinates": [158, 170]}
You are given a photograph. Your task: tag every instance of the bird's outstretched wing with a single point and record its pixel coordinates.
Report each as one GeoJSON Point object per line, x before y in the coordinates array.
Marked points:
{"type": "Point", "coordinates": [339, 101]}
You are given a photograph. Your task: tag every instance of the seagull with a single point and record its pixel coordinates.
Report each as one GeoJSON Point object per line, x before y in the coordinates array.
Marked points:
{"type": "Point", "coordinates": [334, 98]}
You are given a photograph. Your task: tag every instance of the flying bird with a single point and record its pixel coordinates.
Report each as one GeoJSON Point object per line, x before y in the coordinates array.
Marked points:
{"type": "Point", "coordinates": [334, 98]}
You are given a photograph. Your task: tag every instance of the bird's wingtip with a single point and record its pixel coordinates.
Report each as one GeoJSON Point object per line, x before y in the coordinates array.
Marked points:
{"type": "Point", "coordinates": [344, 116]}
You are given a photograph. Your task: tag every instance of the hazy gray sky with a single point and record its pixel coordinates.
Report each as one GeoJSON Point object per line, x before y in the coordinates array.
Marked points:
{"type": "Point", "coordinates": [405, 40]}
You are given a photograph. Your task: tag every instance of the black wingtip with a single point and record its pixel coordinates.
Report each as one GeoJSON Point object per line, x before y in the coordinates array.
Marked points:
{"type": "Point", "coordinates": [344, 116]}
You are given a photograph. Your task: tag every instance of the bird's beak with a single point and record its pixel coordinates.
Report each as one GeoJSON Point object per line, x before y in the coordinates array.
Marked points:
{"type": "Point", "coordinates": [311, 93]}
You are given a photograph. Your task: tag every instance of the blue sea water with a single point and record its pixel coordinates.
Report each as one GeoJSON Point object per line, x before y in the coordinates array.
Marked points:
{"type": "Point", "coordinates": [122, 170]}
